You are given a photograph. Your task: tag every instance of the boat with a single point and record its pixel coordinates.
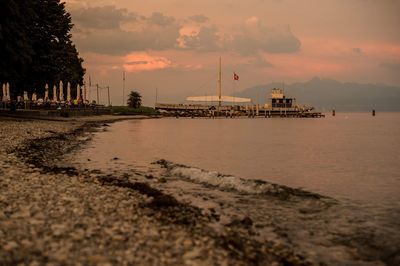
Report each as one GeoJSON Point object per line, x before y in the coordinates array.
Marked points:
{"type": "Point", "coordinates": [283, 106]}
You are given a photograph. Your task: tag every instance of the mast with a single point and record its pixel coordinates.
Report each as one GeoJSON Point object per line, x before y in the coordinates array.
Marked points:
{"type": "Point", "coordinates": [219, 83]}
{"type": "Point", "coordinates": [123, 88]}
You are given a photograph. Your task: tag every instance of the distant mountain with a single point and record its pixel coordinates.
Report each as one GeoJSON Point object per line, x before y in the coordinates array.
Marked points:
{"type": "Point", "coordinates": [326, 94]}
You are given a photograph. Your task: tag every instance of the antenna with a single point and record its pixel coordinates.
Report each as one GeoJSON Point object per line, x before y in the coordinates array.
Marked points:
{"type": "Point", "coordinates": [156, 97]}
{"type": "Point", "coordinates": [219, 83]}
{"type": "Point", "coordinates": [108, 93]}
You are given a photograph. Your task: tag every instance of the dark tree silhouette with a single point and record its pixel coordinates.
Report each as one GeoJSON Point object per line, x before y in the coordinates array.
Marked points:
{"type": "Point", "coordinates": [135, 99]}
{"type": "Point", "coordinates": [36, 46]}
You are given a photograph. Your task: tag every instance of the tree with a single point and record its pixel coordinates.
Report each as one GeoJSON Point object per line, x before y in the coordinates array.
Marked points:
{"type": "Point", "coordinates": [135, 99]}
{"type": "Point", "coordinates": [36, 46]}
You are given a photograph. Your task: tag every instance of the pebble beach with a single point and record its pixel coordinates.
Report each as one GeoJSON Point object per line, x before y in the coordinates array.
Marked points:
{"type": "Point", "coordinates": [54, 214]}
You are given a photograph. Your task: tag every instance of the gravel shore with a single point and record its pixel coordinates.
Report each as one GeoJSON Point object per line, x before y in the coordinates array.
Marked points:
{"type": "Point", "coordinates": [51, 213]}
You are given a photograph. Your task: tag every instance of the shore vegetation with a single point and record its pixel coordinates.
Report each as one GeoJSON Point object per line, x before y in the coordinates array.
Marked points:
{"type": "Point", "coordinates": [126, 110]}
{"type": "Point", "coordinates": [134, 100]}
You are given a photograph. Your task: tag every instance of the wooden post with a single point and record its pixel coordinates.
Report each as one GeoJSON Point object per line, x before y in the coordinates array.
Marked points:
{"type": "Point", "coordinates": [373, 112]}
{"type": "Point", "coordinates": [333, 112]}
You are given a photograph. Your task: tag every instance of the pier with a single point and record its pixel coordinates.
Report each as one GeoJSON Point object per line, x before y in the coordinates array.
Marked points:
{"type": "Point", "coordinates": [230, 111]}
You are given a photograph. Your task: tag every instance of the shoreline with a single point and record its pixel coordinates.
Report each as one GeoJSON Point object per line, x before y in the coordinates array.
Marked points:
{"type": "Point", "coordinates": [135, 218]}
{"type": "Point", "coordinates": [194, 239]}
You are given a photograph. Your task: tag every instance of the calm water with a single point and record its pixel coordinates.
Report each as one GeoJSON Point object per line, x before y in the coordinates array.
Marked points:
{"type": "Point", "coordinates": [351, 156]}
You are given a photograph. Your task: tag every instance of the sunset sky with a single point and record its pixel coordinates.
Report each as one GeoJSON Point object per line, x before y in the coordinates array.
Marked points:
{"type": "Point", "coordinates": [175, 45]}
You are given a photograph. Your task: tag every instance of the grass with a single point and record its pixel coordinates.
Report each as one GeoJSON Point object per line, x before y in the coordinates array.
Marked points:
{"type": "Point", "coordinates": [125, 110]}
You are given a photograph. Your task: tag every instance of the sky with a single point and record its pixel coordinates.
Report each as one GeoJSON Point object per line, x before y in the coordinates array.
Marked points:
{"type": "Point", "coordinates": [173, 46]}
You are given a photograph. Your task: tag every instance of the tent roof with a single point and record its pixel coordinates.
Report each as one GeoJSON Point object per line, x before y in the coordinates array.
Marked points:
{"type": "Point", "coordinates": [215, 98]}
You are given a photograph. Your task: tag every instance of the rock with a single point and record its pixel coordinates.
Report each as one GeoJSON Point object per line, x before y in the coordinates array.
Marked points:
{"type": "Point", "coordinates": [26, 243]}
{"type": "Point", "coordinates": [10, 246]}
{"type": "Point", "coordinates": [149, 176]}
{"type": "Point", "coordinates": [187, 243]}
{"type": "Point", "coordinates": [58, 229]}
{"type": "Point", "coordinates": [118, 238]}
{"type": "Point", "coordinates": [193, 254]}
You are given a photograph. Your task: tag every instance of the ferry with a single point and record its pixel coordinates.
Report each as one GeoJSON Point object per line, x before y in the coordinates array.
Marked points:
{"type": "Point", "coordinates": [283, 106]}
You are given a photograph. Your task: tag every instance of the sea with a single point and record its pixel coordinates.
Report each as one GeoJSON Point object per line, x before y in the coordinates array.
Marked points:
{"type": "Point", "coordinates": [351, 158]}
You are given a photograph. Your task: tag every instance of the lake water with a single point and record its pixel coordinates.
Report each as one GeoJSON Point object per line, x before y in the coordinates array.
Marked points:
{"type": "Point", "coordinates": [350, 156]}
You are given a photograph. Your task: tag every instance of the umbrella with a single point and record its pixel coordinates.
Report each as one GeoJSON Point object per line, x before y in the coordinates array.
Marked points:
{"type": "Point", "coordinates": [61, 91]}
{"type": "Point", "coordinates": [8, 91]}
{"type": "Point", "coordinates": [55, 93]}
{"type": "Point", "coordinates": [4, 93]}
{"type": "Point", "coordinates": [46, 92]}
{"type": "Point", "coordinates": [78, 92]}
{"type": "Point", "coordinates": [88, 91]}
{"type": "Point", "coordinates": [84, 92]}
{"type": "Point", "coordinates": [68, 92]}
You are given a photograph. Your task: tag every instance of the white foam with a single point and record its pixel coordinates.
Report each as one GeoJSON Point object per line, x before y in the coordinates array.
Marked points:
{"type": "Point", "coordinates": [222, 181]}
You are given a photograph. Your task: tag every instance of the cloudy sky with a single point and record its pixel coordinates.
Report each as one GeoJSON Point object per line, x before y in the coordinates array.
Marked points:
{"type": "Point", "coordinates": [175, 45]}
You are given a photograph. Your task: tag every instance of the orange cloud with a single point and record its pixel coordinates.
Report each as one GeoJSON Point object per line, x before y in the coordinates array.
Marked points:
{"type": "Point", "coordinates": [142, 61]}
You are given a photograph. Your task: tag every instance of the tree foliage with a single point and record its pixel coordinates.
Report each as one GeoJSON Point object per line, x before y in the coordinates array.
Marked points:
{"type": "Point", "coordinates": [36, 46]}
{"type": "Point", "coordinates": [134, 99]}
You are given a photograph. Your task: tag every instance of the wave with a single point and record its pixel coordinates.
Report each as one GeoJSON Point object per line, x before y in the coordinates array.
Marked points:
{"type": "Point", "coordinates": [230, 182]}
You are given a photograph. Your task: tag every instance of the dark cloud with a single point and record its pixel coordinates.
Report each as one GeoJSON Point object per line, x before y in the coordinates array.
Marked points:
{"type": "Point", "coordinates": [160, 19]}
{"type": "Point", "coordinates": [205, 40]}
{"type": "Point", "coordinates": [257, 37]}
{"type": "Point", "coordinates": [102, 17]}
{"type": "Point", "coordinates": [121, 42]}
{"type": "Point", "coordinates": [99, 30]}
{"type": "Point", "coordinates": [105, 35]}
{"type": "Point", "coordinates": [199, 18]}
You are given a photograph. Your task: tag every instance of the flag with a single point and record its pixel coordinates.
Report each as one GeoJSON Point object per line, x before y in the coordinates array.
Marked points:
{"type": "Point", "coordinates": [235, 76]}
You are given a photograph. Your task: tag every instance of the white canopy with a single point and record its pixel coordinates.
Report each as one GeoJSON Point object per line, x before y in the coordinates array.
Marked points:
{"type": "Point", "coordinates": [78, 92]}
{"type": "Point", "coordinates": [68, 91]}
{"type": "Point", "coordinates": [8, 91]}
{"type": "Point", "coordinates": [4, 92]}
{"type": "Point", "coordinates": [215, 98]}
{"type": "Point", "coordinates": [54, 93]}
{"type": "Point", "coordinates": [46, 92]}
{"type": "Point", "coordinates": [61, 97]}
